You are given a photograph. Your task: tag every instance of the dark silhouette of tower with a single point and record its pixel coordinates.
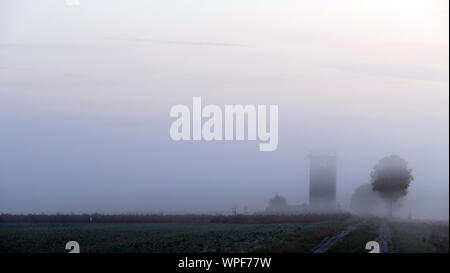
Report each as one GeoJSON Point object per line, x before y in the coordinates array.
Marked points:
{"type": "Point", "coordinates": [322, 182]}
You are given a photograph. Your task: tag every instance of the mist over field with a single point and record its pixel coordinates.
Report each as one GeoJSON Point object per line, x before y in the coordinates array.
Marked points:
{"type": "Point", "coordinates": [85, 94]}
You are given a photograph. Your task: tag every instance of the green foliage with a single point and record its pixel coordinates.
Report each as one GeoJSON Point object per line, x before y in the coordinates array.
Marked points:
{"type": "Point", "coordinates": [165, 237]}
{"type": "Point", "coordinates": [420, 236]}
{"type": "Point", "coordinates": [407, 236]}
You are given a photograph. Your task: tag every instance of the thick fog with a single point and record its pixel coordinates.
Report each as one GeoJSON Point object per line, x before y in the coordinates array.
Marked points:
{"type": "Point", "coordinates": [85, 95]}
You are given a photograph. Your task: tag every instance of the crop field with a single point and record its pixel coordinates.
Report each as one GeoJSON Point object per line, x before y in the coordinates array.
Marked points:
{"type": "Point", "coordinates": [355, 241]}
{"type": "Point", "coordinates": [416, 236]}
{"type": "Point", "coordinates": [224, 237]}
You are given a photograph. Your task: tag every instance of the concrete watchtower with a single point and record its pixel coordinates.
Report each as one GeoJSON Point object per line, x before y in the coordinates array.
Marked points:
{"type": "Point", "coordinates": [322, 182]}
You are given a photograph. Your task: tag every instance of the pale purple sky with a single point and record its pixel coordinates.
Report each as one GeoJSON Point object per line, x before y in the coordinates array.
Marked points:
{"type": "Point", "coordinates": [85, 94]}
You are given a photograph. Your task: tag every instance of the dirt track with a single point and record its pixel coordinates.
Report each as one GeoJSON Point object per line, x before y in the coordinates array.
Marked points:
{"type": "Point", "coordinates": [328, 242]}
{"type": "Point", "coordinates": [384, 236]}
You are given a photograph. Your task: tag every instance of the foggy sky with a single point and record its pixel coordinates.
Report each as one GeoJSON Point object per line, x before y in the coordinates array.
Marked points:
{"type": "Point", "coordinates": [85, 94]}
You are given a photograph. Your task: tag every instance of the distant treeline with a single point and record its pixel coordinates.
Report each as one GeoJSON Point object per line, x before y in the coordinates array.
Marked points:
{"type": "Point", "coordinates": [161, 218]}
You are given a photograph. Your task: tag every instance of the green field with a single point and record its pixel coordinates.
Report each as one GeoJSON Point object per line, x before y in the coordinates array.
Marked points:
{"type": "Point", "coordinates": [217, 237]}
{"type": "Point", "coordinates": [416, 236]}
{"type": "Point", "coordinates": [352, 242]}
